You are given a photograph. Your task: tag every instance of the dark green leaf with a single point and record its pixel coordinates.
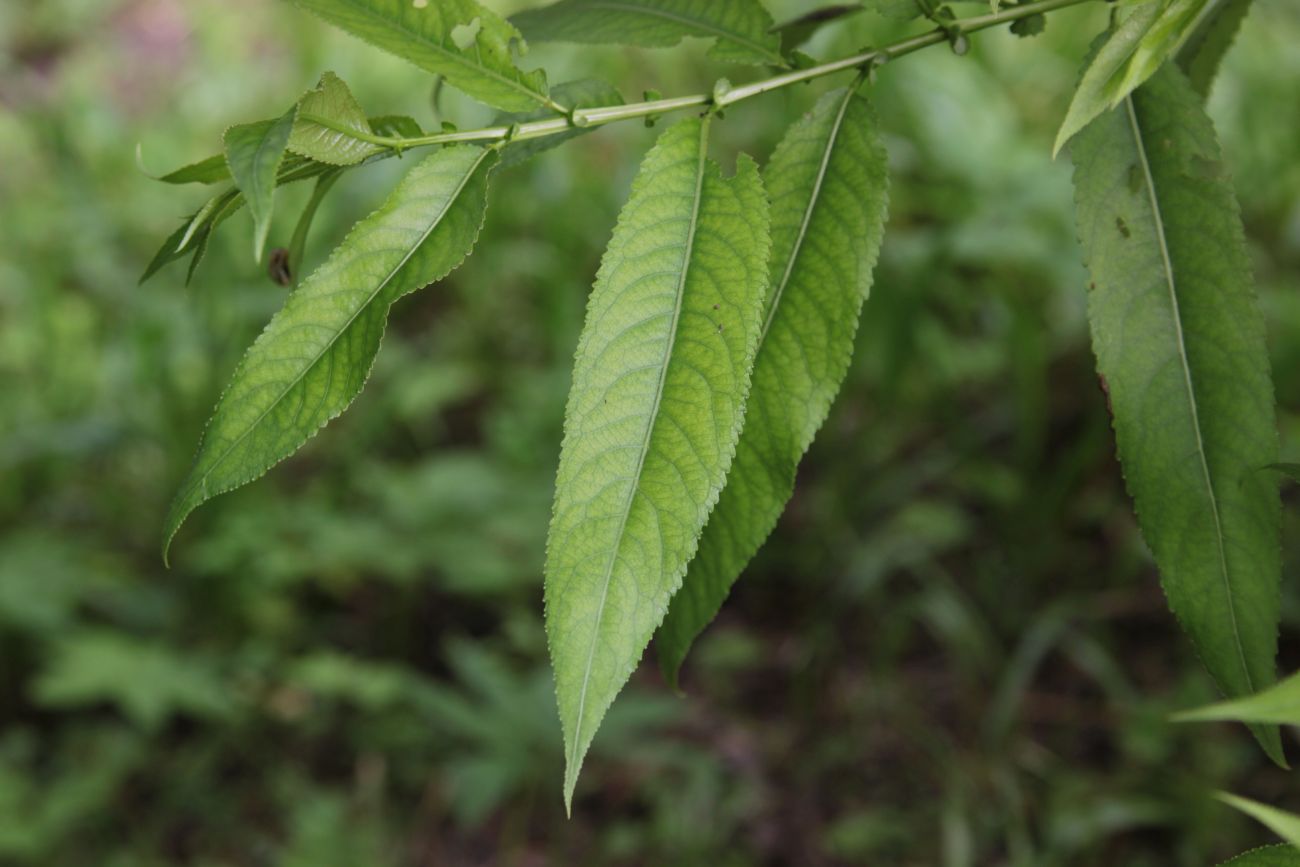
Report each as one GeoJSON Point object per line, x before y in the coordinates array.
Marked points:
{"type": "Point", "coordinates": [1211, 37]}
{"type": "Point", "coordinates": [799, 30]}
{"type": "Point", "coordinates": [828, 185]}
{"type": "Point", "coordinates": [316, 353]}
{"type": "Point", "coordinates": [656, 406]}
{"type": "Point", "coordinates": [1267, 856]}
{"type": "Point", "coordinates": [1180, 341]}
{"type": "Point", "coordinates": [1280, 822]}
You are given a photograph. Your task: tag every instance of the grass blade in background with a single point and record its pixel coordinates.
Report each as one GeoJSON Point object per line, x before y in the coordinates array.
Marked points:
{"type": "Point", "coordinates": [1179, 339]}
{"type": "Point", "coordinates": [741, 28]}
{"type": "Point", "coordinates": [828, 184]}
{"type": "Point", "coordinates": [656, 405]}
{"type": "Point", "coordinates": [254, 152]}
{"type": "Point", "coordinates": [461, 40]}
{"type": "Point", "coordinates": [316, 353]}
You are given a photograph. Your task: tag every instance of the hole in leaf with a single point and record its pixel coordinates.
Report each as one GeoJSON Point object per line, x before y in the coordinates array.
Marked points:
{"type": "Point", "coordinates": [464, 35]}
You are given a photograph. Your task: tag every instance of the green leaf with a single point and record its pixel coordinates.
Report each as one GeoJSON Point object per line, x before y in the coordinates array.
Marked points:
{"type": "Point", "coordinates": [212, 170]}
{"type": "Point", "coordinates": [1179, 340]}
{"type": "Point", "coordinates": [1210, 38]}
{"type": "Point", "coordinates": [329, 123]}
{"type": "Point", "coordinates": [1279, 704]}
{"type": "Point", "coordinates": [741, 28]}
{"type": "Point", "coordinates": [1290, 470]}
{"type": "Point", "coordinates": [800, 29]}
{"type": "Point", "coordinates": [584, 93]}
{"type": "Point", "coordinates": [828, 185]}
{"type": "Point", "coordinates": [1266, 856]}
{"type": "Point", "coordinates": [1280, 822]}
{"type": "Point", "coordinates": [254, 152]}
{"type": "Point", "coordinates": [316, 353]}
{"type": "Point", "coordinates": [298, 244]}
{"type": "Point", "coordinates": [461, 40]}
{"type": "Point", "coordinates": [659, 386]}
{"type": "Point", "coordinates": [1130, 55]}
{"type": "Point", "coordinates": [396, 126]}
{"type": "Point", "coordinates": [904, 10]}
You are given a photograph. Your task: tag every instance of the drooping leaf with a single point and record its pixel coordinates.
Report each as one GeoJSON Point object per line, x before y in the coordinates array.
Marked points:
{"type": "Point", "coordinates": [1210, 38]}
{"type": "Point", "coordinates": [659, 385]}
{"type": "Point", "coordinates": [800, 29]}
{"type": "Point", "coordinates": [741, 28]}
{"type": "Point", "coordinates": [1130, 55]}
{"type": "Point", "coordinates": [254, 152]}
{"type": "Point", "coordinates": [316, 353]}
{"type": "Point", "coordinates": [1180, 341]}
{"type": "Point", "coordinates": [460, 40]}
{"type": "Point", "coordinates": [1278, 704]}
{"type": "Point", "coordinates": [1266, 856]}
{"type": "Point", "coordinates": [828, 186]}
{"type": "Point", "coordinates": [298, 243]}
{"type": "Point", "coordinates": [329, 121]}
{"type": "Point", "coordinates": [1280, 822]}
{"type": "Point", "coordinates": [584, 93]}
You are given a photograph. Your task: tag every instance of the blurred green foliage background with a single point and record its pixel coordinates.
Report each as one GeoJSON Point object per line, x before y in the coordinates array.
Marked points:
{"type": "Point", "coordinates": [954, 650]}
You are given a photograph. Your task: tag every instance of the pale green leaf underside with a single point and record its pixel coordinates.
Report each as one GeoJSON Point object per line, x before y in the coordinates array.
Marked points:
{"type": "Point", "coordinates": [1266, 856]}
{"type": "Point", "coordinates": [1280, 822]}
{"type": "Point", "coordinates": [326, 116]}
{"type": "Point", "coordinates": [316, 353]}
{"type": "Point", "coordinates": [1278, 704]}
{"type": "Point", "coordinates": [427, 35]}
{"type": "Point", "coordinates": [1180, 341]}
{"type": "Point", "coordinates": [254, 153]}
{"type": "Point", "coordinates": [656, 405]}
{"type": "Point", "coordinates": [828, 185]}
{"type": "Point", "coordinates": [740, 28]}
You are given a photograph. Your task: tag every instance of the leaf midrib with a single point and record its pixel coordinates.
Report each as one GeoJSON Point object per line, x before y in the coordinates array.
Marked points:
{"type": "Point", "coordinates": [807, 216]}
{"type": "Point", "coordinates": [1154, 199]}
{"type": "Point", "coordinates": [719, 32]}
{"type": "Point", "coordinates": [433, 224]}
{"type": "Point", "coordinates": [460, 59]}
{"type": "Point", "coordinates": [571, 771]}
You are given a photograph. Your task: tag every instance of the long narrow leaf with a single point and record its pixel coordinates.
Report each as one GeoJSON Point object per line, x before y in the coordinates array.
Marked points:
{"type": "Point", "coordinates": [659, 384]}
{"type": "Point", "coordinates": [1211, 37]}
{"type": "Point", "coordinates": [1285, 825]}
{"type": "Point", "coordinates": [1277, 704]}
{"type": "Point", "coordinates": [1180, 341]}
{"type": "Point", "coordinates": [828, 185]}
{"type": "Point", "coordinates": [741, 29]}
{"type": "Point", "coordinates": [316, 353]}
{"type": "Point", "coordinates": [461, 40]}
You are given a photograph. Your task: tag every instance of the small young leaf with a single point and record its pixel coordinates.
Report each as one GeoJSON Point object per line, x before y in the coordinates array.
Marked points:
{"type": "Point", "coordinates": [425, 33]}
{"type": "Point", "coordinates": [1280, 822]}
{"type": "Point", "coordinates": [741, 28]}
{"type": "Point", "coordinates": [254, 152]}
{"type": "Point", "coordinates": [396, 125]}
{"type": "Point", "coordinates": [316, 353]}
{"type": "Point", "coordinates": [329, 119]}
{"type": "Point", "coordinates": [1278, 704]}
{"type": "Point", "coordinates": [1266, 856]}
{"type": "Point", "coordinates": [1130, 55]}
{"type": "Point", "coordinates": [1210, 38]}
{"type": "Point", "coordinates": [1179, 339]}
{"type": "Point", "coordinates": [584, 93]}
{"type": "Point", "coordinates": [828, 186]}
{"type": "Point", "coordinates": [659, 386]}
